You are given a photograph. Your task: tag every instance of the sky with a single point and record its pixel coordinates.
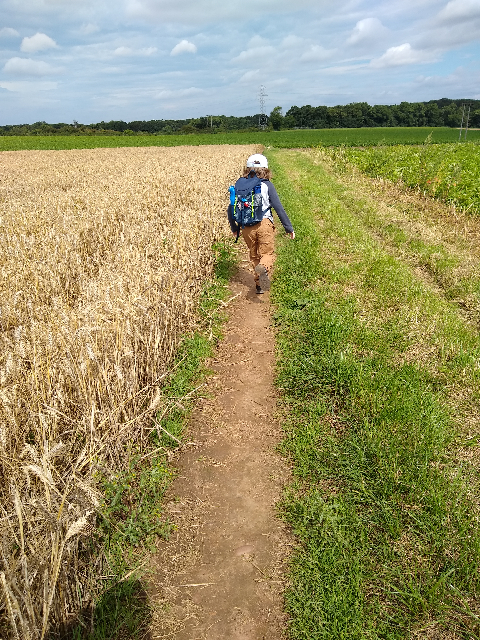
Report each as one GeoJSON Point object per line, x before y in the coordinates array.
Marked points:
{"type": "Point", "coordinates": [94, 60]}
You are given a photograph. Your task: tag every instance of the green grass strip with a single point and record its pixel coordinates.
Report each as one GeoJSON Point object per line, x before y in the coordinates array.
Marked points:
{"type": "Point", "coordinates": [365, 136]}
{"type": "Point", "coordinates": [384, 512]}
{"type": "Point", "coordinates": [132, 515]}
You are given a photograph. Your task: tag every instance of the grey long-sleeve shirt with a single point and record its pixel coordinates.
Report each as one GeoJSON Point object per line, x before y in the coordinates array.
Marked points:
{"type": "Point", "coordinates": [273, 201]}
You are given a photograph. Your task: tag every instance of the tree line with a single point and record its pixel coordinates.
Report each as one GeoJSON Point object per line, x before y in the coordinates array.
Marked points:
{"type": "Point", "coordinates": [205, 124]}
{"type": "Point", "coordinates": [434, 113]}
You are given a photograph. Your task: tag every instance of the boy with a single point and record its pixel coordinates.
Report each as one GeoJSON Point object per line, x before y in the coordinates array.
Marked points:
{"type": "Point", "coordinates": [260, 236]}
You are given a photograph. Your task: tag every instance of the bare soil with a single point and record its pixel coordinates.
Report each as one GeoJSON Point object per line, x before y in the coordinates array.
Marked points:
{"type": "Point", "coordinates": [221, 576]}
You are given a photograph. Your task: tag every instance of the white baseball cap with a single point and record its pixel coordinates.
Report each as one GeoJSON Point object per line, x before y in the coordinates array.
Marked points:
{"type": "Point", "coordinates": [257, 161]}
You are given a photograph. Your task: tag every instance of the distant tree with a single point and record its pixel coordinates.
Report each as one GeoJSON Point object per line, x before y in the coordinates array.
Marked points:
{"type": "Point", "coordinates": [307, 115]}
{"type": "Point", "coordinates": [276, 118]}
{"type": "Point", "coordinates": [451, 115]}
{"type": "Point", "coordinates": [113, 125]}
{"type": "Point", "coordinates": [320, 117]}
{"type": "Point", "coordinates": [294, 112]}
{"type": "Point", "coordinates": [433, 115]}
{"type": "Point", "coordinates": [381, 116]}
{"type": "Point", "coordinates": [406, 114]}
{"type": "Point", "coordinates": [355, 114]}
{"type": "Point", "coordinates": [335, 117]}
{"type": "Point", "coordinates": [188, 128]}
{"type": "Point", "coordinates": [475, 119]}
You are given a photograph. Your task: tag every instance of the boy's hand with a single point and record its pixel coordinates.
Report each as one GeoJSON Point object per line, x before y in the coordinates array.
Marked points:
{"type": "Point", "coordinates": [291, 235]}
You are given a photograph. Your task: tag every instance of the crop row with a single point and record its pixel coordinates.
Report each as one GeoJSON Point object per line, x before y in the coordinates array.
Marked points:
{"type": "Point", "coordinates": [297, 138]}
{"type": "Point", "coordinates": [450, 172]}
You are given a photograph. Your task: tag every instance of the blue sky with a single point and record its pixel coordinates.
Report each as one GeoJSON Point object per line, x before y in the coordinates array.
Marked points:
{"type": "Point", "coordinates": [93, 60]}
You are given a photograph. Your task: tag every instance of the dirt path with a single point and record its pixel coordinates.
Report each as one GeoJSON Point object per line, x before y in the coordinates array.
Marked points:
{"type": "Point", "coordinates": [221, 574]}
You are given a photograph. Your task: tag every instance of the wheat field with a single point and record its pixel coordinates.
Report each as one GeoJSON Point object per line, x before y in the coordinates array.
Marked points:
{"type": "Point", "coordinates": [103, 255]}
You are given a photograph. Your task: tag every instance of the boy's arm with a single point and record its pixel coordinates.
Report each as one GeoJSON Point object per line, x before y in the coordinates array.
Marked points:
{"type": "Point", "coordinates": [277, 205]}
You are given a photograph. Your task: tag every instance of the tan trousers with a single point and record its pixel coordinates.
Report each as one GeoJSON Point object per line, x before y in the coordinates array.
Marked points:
{"type": "Point", "coordinates": [260, 242]}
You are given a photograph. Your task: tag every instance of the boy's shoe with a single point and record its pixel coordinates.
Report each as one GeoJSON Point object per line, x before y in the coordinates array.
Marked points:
{"type": "Point", "coordinates": [263, 279]}
{"type": "Point", "coordinates": [258, 289]}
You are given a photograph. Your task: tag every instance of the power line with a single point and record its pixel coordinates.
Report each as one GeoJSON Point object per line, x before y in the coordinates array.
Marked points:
{"type": "Point", "coordinates": [464, 106]}
{"type": "Point", "coordinates": [262, 120]}
{"type": "Point", "coordinates": [468, 118]}
{"type": "Point", "coordinates": [461, 123]}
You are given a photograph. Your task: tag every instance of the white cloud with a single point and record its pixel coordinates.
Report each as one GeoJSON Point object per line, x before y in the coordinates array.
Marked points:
{"type": "Point", "coordinates": [126, 95]}
{"type": "Point", "coordinates": [341, 70]}
{"type": "Point", "coordinates": [123, 51]}
{"type": "Point", "coordinates": [183, 47]}
{"type": "Point", "coordinates": [127, 51]}
{"type": "Point", "coordinates": [8, 32]}
{"type": "Point", "coordinates": [367, 31]}
{"type": "Point", "coordinates": [24, 86]}
{"type": "Point", "coordinates": [316, 53]}
{"type": "Point", "coordinates": [212, 11]}
{"type": "Point", "coordinates": [181, 93]}
{"type": "Point", "coordinates": [88, 28]}
{"type": "Point", "coordinates": [256, 41]}
{"type": "Point", "coordinates": [460, 11]}
{"type": "Point", "coordinates": [280, 82]}
{"type": "Point", "coordinates": [446, 37]}
{"type": "Point", "coordinates": [282, 56]}
{"type": "Point", "coordinates": [255, 54]}
{"type": "Point", "coordinates": [38, 42]}
{"type": "Point", "coordinates": [250, 76]}
{"type": "Point", "coordinates": [29, 67]}
{"type": "Point", "coordinates": [463, 81]}
{"type": "Point", "coordinates": [457, 24]}
{"type": "Point", "coordinates": [402, 55]}
{"type": "Point", "coordinates": [98, 51]}
{"type": "Point", "coordinates": [292, 42]}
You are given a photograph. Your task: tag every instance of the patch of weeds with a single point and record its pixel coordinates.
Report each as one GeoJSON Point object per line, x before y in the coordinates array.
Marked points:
{"type": "Point", "coordinates": [188, 371]}
{"type": "Point", "coordinates": [121, 613]}
{"type": "Point", "coordinates": [131, 514]}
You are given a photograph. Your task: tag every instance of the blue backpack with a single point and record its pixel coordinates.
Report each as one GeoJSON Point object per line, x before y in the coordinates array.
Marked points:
{"type": "Point", "coordinates": [247, 203]}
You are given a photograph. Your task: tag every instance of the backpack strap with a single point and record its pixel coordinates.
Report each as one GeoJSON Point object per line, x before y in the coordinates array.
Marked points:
{"type": "Point", "coordinates": [238, 225]}
{"type": "Point", "coordinates": [264, 211]}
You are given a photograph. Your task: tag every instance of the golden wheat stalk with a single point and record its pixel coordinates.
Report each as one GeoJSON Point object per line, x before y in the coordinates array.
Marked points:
{"type": "Point", "coordinates": [103, 256]}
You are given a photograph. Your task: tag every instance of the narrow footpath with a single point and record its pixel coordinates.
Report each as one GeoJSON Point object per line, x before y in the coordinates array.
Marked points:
{"type": "Point", "coordinates": [221, 574]}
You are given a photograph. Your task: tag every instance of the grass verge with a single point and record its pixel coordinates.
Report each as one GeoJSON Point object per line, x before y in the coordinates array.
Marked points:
{"type": "Point", "coordinates": [378, 374]}
{"type": "Point", "coordinates": [131, 515]}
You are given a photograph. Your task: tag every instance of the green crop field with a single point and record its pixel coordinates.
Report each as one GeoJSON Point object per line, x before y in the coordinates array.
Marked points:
{"type": "Point", "coordinates": [299, 138]}
{"type": "Point", "coordinates": [376, 310]}
{"type": "Point", "coordinates": [450, 172]}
